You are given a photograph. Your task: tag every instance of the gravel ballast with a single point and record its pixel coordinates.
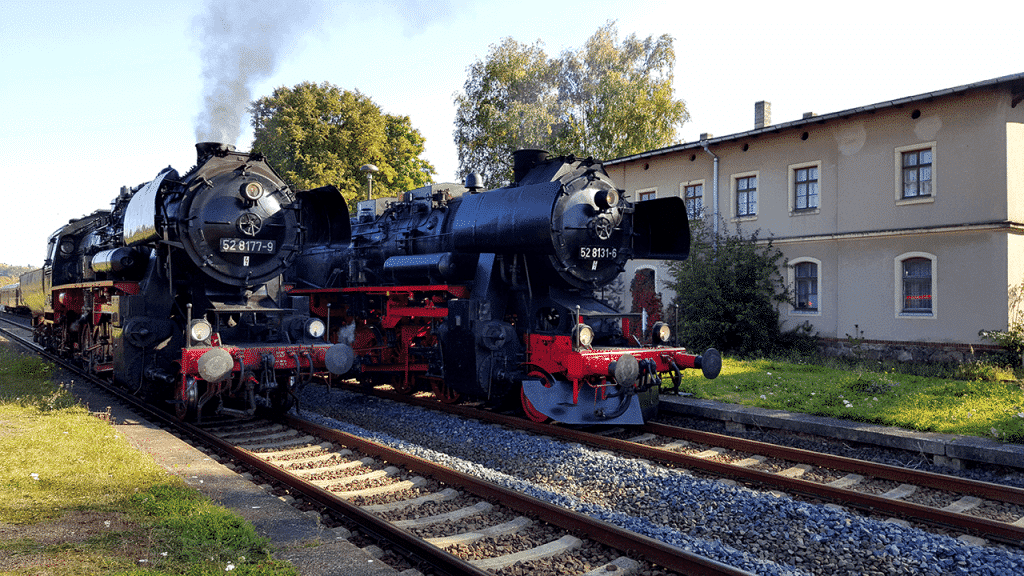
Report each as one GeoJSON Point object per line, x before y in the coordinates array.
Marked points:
{"type": "Point", "coordinates": [752, 530]}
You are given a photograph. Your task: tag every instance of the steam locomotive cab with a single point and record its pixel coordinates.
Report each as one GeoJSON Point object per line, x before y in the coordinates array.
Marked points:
{"type": "Point", "coordinates": [489, 294]}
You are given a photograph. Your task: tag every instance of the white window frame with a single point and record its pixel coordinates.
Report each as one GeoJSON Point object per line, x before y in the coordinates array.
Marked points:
{"type": "Point", "coordinates": [733, 179]}
{"type": "Point", "coordinates": [793, 211]}
{"type": "Point", "coordinates": [898, 163]}
{"type": "Point", "coordinates": [642, 191]}
{"type": "Point", "coordinates": [704, 188]}
{"type": "Point", "coordinates": [898, 286]}
{"type": "Point", "coordinates": [791, 266]}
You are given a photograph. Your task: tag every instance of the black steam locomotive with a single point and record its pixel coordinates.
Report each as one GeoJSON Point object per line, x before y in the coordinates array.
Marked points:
{"type": "Point", "coordinates": [490, 295]}
{"type": "Point", "coordinates": [175, 292]}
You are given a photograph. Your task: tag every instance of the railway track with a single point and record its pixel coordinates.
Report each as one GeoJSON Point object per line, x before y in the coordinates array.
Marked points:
{"type": "Point", "coordinates": [962, 506]}
{"type": "Point", "coordinates": [422, 501]}
{"type": "Point", "coordinates": [400, 501]}
{"type": "Point", "coordinates": [983, 510]}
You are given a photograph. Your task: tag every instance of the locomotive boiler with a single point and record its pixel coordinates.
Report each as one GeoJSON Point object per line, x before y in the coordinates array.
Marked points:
{"type": "Point", "coordinates": [490, 295]}
{"type": "Point", "coordinates": [175, 292]}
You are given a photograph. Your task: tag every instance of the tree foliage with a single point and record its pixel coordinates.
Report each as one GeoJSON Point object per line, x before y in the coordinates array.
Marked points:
{"type": "Point", "coordinates": [728, 292]}
{"type": "Point", "coordinates": [316, 135]}
{"type": "Point", "coordinates": [1013, 337]}
{"type": "Point", "coordinates": [509, 103]}
{"type": "Point", "coordinates": [607, 100]}
{"type": "Point", "coordinates": [12, 274]}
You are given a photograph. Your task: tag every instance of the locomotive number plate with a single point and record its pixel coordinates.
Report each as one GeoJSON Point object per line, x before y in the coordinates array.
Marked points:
{"type": "Point", "coordinates": [243, 246]}
{"type": "Point", "coordinates": [598, 253]}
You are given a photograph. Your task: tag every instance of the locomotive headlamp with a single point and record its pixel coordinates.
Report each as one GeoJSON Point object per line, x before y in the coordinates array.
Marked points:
{"type": "Point", "coordinates": [662, 333]}
{"type": "Point", "coordinates": [200, 331]}
{"type": "Point", "coordinates": [315, 328]}
{"type": "Point", "coordinates": [582, 336]}
{"type": "Point", "coordinates": [253, 191]}
{"type": "Point", "coordinates": [606, 199]}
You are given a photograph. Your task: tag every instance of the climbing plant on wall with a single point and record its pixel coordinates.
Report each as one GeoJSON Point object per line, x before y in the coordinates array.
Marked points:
{"type": "Point", "coordinates": [645, 298]}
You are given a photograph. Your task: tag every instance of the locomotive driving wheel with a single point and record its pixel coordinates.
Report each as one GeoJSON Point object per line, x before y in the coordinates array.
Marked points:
{"type": "Point", "coordinates": [402, 382]}
{"type": "Point", "coordinates": [282, 398]}
{"type": "Point", "coordinates": [443, 392]}
{"type": "Point", "coordinates": [532, 413]}
{"type": "Point", "coordinates": [86, 353]}
{"type": "Point", "coordinates": [186, 399]}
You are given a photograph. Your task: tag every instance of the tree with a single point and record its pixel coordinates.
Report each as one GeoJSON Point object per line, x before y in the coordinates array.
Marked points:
{"type": "Point", "coordinates": [12, 274]}
{"type": "Point", "coordinates": [607, 100]}
{"type": "Point", "coordinates": [509, 103]}
{"type": "Point", "coordinates": [617, 98]}
{"type": "Point", "coordinates": [316, 135]}
{"type": "Point", "coordinates": [728, 292]}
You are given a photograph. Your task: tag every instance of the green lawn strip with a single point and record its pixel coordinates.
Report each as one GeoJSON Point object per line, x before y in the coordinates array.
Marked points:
{"type": "Point", "coordinates": [77, 498]}
{"type": "Point", "coordinates": [993, 409]}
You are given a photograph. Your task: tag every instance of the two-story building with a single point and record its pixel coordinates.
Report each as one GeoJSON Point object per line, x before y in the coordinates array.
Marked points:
{"type": "Point", "coordinates": [902, 222]}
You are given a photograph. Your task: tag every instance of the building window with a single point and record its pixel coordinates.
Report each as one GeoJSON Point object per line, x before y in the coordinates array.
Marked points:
{"type": "Point", "coordinates": [694, 195]}
{"type": "Point", "coordinates": [805, 188]}
{"type": "Point", "coordinates": [746, 196]}
{"type": "Point", "coordinates": [917, 173]}
{"type": "Point", "coordinates": [806, 276]}
{"type": "Point", "coordinates": [915, 286]}
{"type": "Point", "coordinates": [649, 194]}
{"type": "Point", "coordinates": [803, 277]}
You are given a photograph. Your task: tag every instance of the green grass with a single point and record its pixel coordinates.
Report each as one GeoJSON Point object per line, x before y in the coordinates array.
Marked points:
{"type": "Point", "coordinates": [976, 407]}
{"type": "Point", "coordinates": [66, 472]}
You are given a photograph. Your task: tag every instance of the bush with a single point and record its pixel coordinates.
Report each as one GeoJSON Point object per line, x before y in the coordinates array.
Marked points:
{"type": "Point", "coordinates": [728, 293]}
{"type": "Point", "coordinates": [1013, 337]}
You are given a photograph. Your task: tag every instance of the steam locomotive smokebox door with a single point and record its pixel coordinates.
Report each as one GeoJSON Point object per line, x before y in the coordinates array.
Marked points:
{"type": "Point", "coordinates": [477, 350]}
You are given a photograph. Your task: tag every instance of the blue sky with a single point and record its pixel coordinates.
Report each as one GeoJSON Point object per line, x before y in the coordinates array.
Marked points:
{"type": "Point", "coordinates": [102, 94]}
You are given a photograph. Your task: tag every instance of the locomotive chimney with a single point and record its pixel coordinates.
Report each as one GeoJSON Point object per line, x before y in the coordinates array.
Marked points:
{"type": "Point", "coordinates": [524, 160]}
{"type": "Point", "coordinates": [474, 182]}
{"type": "Point", "coordinates": [206, 149]}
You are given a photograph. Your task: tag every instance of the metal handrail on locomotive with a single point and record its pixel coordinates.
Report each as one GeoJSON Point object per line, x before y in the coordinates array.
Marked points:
{"type": "Point", "coordinates": [175, 292]}
{"type": "Point", "coordinates": [490, 295]}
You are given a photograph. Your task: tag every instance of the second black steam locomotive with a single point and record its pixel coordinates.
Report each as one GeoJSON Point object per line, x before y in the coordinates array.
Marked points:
{"type": "Point", "coordinates": [490, 295]}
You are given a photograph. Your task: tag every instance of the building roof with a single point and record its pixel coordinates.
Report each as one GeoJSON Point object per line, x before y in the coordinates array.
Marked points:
{"type": "Point", "coordinates": [1016, 80]}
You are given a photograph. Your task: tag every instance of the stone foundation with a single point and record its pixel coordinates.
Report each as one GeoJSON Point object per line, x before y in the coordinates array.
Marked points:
{"type": "Point", "coordinates": [917, 352]}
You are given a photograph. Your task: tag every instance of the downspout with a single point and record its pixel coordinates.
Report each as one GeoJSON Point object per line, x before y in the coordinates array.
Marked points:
{"type": "Point", "coordinates": [714, 185]}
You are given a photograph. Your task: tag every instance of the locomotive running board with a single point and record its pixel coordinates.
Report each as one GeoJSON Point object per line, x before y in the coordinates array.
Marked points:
{"type": "Point", "coordinates": [556, 403]}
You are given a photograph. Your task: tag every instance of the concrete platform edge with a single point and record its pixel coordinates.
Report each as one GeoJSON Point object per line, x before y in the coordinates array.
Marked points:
{"type": "Point", "coordinates": [972, 448]}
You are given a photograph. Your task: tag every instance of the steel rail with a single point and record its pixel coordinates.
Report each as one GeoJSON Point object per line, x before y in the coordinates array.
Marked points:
{"type": "Point", "coordinates": [665, 555]}
{"type": "Point", "coordinates": [436, 557]}
{"type": "Point", "coordinates": [1004, 532]}
{"type": "Point", "coordinates": [658, 552]}
{"type": "Point", "coordinates": [1009, 494]}
{"type": "Point", "coordinates": [414, 546]}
